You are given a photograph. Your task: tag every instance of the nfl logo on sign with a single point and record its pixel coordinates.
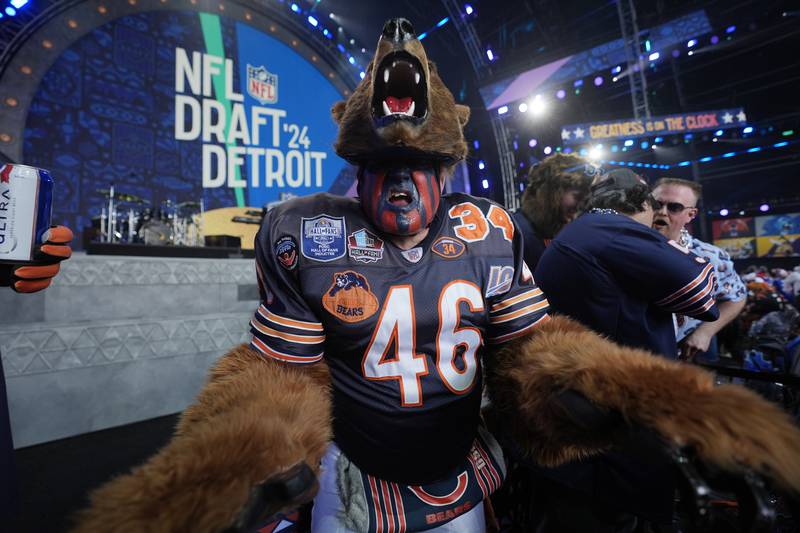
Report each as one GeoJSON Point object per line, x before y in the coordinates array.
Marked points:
{"type": "Point", "coordinates": [262, 84]}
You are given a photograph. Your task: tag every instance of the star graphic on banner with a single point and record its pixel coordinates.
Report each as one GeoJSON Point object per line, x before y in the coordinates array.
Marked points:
{"type": "Point", "coordinates": [579, 133]}
{"type": "Point", "coordinates": [740, 116]}
{"type": "Point", "coordinates": [564, 135]}
{"type": "Point", "coordinates": [727, 118]}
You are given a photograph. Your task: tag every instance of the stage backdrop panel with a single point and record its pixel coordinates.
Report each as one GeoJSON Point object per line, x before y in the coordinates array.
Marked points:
{"type": "Point", "coordinates": [180, 105]}
{"type": "Point", "coordinates": [778, 235]}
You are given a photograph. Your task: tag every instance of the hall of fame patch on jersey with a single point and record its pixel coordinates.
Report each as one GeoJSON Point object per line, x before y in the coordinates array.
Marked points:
{"type": "Point", "coordinates": [448, 247]}
{"type": "Point", "coordinates": [500, 280]}
{"type": "Point", "coordinates": [365, 247]}
{"type": "Point", "coordinates": [322, 238]}
{"type": "Point", "coordinates": [349, 297]}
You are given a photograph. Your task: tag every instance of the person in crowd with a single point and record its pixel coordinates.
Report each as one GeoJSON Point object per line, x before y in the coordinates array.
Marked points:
{"type": "Point", "coordinates": [792, 285]}
{"type": "Point", "coordinates": [679, 200]}
{"type": "Point", "coordinates": [25, 278]}
{"type": "Point", "coordinates": [611, 271]}
{"type": "Point", "coordinates": [556, 189]}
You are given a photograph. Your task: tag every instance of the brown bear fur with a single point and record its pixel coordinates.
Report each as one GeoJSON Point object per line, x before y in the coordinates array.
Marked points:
{"type": "Point", "coordinates": [728, 425]}
{"type": "Point", "coordinates": [253, 420]}
{"type": "Point", "coordinates": [440, 135]}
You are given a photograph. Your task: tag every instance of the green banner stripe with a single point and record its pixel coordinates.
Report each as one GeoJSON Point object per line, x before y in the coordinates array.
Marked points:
{"type": "Point", "coordinates": [212, 34]}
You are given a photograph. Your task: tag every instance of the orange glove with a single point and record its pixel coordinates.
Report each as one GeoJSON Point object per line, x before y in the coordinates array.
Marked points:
{"type": "Point", "coordinates": [33, 277]}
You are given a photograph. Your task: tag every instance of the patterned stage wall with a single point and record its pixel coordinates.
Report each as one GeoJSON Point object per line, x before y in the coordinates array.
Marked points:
{"type": "Point", "coordinates": [106, 111]}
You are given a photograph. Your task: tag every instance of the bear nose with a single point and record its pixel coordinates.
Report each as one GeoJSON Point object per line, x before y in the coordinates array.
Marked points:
{"type": "Point", "coordinates": [398, 30]}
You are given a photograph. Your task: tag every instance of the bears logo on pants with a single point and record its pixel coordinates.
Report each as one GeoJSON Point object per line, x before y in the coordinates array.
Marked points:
{"type": "Point", "coordinates": [349, 297]}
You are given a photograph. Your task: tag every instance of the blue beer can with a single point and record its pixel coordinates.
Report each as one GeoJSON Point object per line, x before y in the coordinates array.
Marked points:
{"type": "Point", "coordinates": [26, 206]}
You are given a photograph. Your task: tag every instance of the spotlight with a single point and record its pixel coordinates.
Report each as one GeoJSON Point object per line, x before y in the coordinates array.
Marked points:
{"type": "Point", "coordinates": [764, 208]}
{"type": "Point", "coordinates": [485, 184]}
{"type": "Point", "coordinates": [714, 39]}
{"type": "Point", "coordinates": [723, 212]}
{"type": "Point", "coordinates": [691, 43]}
{"type": "Point", "coordinates": [730, 29]}
{"type": "Point", "coordinates": [658, 139]}
{"type": "Point", "coordinates": [596, 152]}
{"type": "Point", "coordinates": [523, 107]}
{"type": "Point", "coordinates": [547, 150]}
{"type": "Point", "coordinates": [295, 8]}
{"type": "Point", "coordinates": [476, 143]}
{"type": "Point", "coordinates": [718, 133]}
{"type": "Point", "coordinates": [754, 149]}
{"type": "Point", "coordinates": [780, 144]}
{"type": "Point", "coordinates": [468, 9]}
{"type": "Point", "coordinates": [706, 159]}
{"type": "Point", "coordinates": [691, 53]}
{"type": "Point", "coordinates": [577, 83]}
{"type": "Point", "coordinates": [313, 21]}
{"type": "Point", "coordinates": [644, 145]}
{"type": "Point", "coordinates": [502, 110]}
{"type": "Point", "coordinates": [598, 81]}
{"type": "Point", "coordinates": [653, 56]}
{"type": "Point", "coordinates": [10, 11]}
{"type": "Point", "coordinates": [532, 143]}
{"type": "Point", "coordinates": [616, 70]}
{"type": "Point", "coordinates": [629, 142]}
{"type": "Point", "coordinates": [537, 105]}
{"type": "Point", "coordinates": [560, 94]}
{"type": "Point", "coordinates": [652, 146]}
{"type": "Point", "coordinates": [330, 16]}
{"type": "Point", "coordinates": [741, 213]}
{"type": "Point", "coordinates": [748, 129]}
{"type": "Point", "coordinates": [18, 3]}
{"type": "Point", "coordinates": [361, 74]}
{"type": "Point", "coordinates": [490, 54]}
{"type": "Point", "coordinates": [481, 165]}
{"type": "Point", "coordinates": [614, 79]}
{"type": "Point", "coordinates": [352, 60]}
{"type": "Point", "coordinates": [352, 42]}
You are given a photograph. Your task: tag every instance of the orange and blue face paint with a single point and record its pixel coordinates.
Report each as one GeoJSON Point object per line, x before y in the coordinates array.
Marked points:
{"type": "Point", "coordinates": [399, 198]}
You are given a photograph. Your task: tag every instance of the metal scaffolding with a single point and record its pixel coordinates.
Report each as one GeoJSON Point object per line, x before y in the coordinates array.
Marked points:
{"type": "Point", "coordinates": [633, 53]}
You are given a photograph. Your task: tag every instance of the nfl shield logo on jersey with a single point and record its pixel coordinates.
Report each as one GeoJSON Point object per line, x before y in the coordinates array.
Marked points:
{"type": "Point", "coordinates": [323, 238]}
{"type": "Point", "coordinates": [262, 84]}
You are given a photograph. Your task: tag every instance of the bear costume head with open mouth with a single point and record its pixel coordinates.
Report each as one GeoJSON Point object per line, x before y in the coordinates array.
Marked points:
{"type": "Point", "coordinates": [401, 106]}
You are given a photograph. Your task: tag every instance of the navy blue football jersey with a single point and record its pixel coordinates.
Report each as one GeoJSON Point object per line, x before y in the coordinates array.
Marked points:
{"type": "Point", "coordinates": [403, 331]}
{"type": "Point", "coordinates": [625, 280]}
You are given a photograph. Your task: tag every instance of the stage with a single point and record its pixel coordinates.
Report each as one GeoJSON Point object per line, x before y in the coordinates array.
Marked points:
{"type": "Point", "coordinates": [117, 340]}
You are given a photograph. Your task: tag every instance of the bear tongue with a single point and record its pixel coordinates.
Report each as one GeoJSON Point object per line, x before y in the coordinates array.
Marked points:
{"type": "Point", "coordinates": [398, 105]}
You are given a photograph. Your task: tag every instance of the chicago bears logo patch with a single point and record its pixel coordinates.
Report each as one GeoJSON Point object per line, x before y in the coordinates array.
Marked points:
{"type": "Point", "coordinates": [448, 247]}
{"type": "Point", "coordinates": [286, 252]}
{"type": "Point", "coordinates": [323, 238]}
{"type": "Point", "coordinates": [365, 247]}
{"type": "Point", "coordinates": [349, 297]}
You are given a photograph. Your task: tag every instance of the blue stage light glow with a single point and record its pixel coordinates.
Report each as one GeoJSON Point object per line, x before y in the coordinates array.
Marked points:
{"type": "Point", "coordinates": [748, 129]}
{"type": "Point", "coordinates": [684, 164]}
{"type": "Point", "coordinates": [724, 212]}
{"type": "Point", "coordinates": [10, 11]}
{"type": "Point", "coordinates": [658, 139]}
{"type": "Point", "coordinates": [754, 149]}
{"type": "Point", "coordinates": [780, 144]}
{"type": "Point", "coordinates": [691, 43]}
{"type": "Point", "coordinates": [422, 35]}
{"type": "Point", "coordinates": [361, 74]}
{"type": "Point", "coordinates": [18, 3]}
{"type": "Point", "coordinates": [577, 83]}
{"type": "Point", "coordinates": [502, 110]}
{"type": "Point", "coordinates": [468, 9]}
{"type": "Point", "coordinates": [314, 22]}
{"type": "Point", "coordinates": [719, 133]}
{"type": "Point", "coordinates": [295, 8]}
{"type": "Point", "coordinates": [442, 22]}
{"type": "Point", "coordinates": [629, 142]}
{"type": "Point", "coordinates": [352, 60]}
{"type": "Point", "coordinates": [485, 184]}
{"type": "Point", "coordinates": [476, 143]}
{"type": "Point", "coordinates": [340, 46]}
{"type": "Point", "coordinates": [729, 154]}
{"type": "Point", "coordinates": [730, 29]}
{"type": "Point", "coordinates": [706, 159]}
{"type": "Point", "coordinates": [490, 54]}
{"type": "Point", "coordinates": [481, 165]}
{"type": "Point", "coordinates": [644, 145]}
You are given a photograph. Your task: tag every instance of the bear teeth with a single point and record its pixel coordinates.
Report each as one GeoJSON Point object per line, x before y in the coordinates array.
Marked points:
{"type": "Point", "coordinates": [408, 112]}
{"type": "Point", "coordinates": [416, 78]}
{"type": "Point", "coordinates": [386, 75]}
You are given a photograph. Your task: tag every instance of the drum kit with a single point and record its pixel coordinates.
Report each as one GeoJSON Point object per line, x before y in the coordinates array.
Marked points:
{"type": "Point", "coordinates": [128, 218]}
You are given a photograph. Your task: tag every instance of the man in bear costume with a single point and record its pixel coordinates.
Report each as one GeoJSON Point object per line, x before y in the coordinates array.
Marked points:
{"type": "Point", "coordinates": [365, 367]}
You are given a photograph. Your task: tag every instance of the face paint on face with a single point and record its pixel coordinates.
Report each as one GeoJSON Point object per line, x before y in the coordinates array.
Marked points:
{"type": "Point", "coordinates": [399, 199]}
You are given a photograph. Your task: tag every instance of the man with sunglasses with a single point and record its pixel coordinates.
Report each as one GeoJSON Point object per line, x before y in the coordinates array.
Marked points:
{"type": "Point", "coordinates": [678, 199]}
